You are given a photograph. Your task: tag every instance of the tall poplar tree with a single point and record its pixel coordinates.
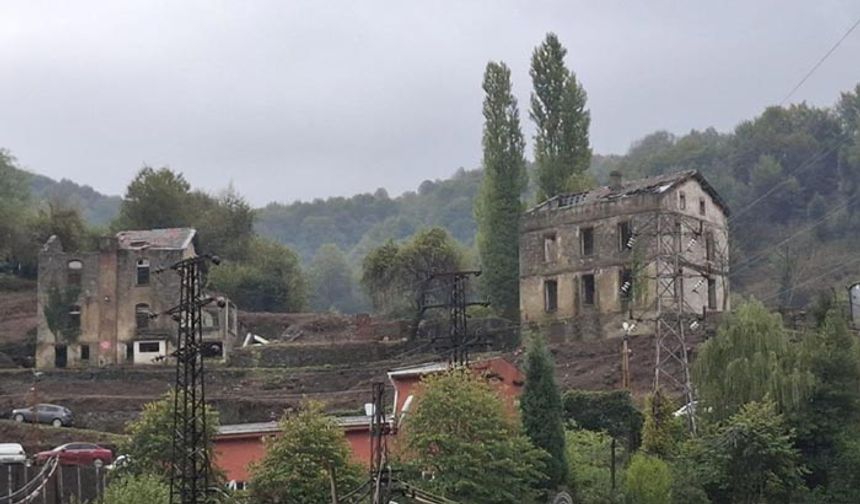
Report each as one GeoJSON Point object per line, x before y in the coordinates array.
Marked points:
{"type": "Point", "coordinates": [498, 206]}
{"type": "Point", "coordinates": [558, 110]}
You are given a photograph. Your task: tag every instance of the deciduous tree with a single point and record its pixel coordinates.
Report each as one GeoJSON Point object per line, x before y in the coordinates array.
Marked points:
{"type": "Point", "coordinates": [648, 480]}
{"type": "Point", "coordinates": [332, 285]}
{"type": "Point", "coordinates": [268, 279]}
{"type": "Point", "coordinates": [150, 438]}
{"type": "Point", "coordinates": [751, 459]}
{"type": "Point", "coordinates": [498, 206]}
{"type": "Point", "coordinates": [461, 437]}
{"type": "Point", "coordinates": [558, 110]}
{"type": "Point", "coordinates": [155, 199]}
{"type": "Point", "coordinates": [299, 462]}
{"type": "Point", "coordinates": [750, 359]}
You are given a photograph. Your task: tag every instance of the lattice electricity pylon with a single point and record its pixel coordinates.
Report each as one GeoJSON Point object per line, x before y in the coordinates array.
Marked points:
{"type": "Point", "coordinates": [671, 359]}
{"type": "Point", "coordinates": [190, 464]}
{"type": "Point", "coordinates": [457, 345]}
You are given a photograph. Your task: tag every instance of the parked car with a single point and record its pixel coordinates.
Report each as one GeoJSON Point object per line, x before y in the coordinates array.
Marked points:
{"type": "Point", "coordinates": [12, 453]}
{"type": "Point", "coordinates": [77, 454]}
{"type": "Point", "coordinates": [58, 416]}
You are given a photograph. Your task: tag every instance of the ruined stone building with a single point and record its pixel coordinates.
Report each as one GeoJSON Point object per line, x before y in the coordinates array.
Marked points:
{"type": "Point", "coordinates": [629, 250]}
{"type": "Point", "coordinates": [100, 308]}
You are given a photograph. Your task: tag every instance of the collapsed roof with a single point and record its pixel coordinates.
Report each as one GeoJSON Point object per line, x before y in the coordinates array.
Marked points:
{"type": "Point", "coordinates": [650, 185]}
{"type": "Point", "coordinates": [165, 239]}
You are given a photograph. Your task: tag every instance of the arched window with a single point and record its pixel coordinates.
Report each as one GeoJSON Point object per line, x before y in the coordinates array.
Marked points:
{"type": "Point", "coordinates": [142, 272]}
{"type": "Point", "coordinates": [75, 268]}
{"type": "Point", "coordinates": [141, 315]}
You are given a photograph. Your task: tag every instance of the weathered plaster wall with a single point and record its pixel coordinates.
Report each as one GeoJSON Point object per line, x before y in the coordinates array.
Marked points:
{"type": "Point", "coordinates": [567, 265]}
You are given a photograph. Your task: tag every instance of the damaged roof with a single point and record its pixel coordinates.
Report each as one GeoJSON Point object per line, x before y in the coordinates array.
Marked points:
{"type": "Point", "coordinates": [169, 239]}
{"type": "Point", "coordinates": [650, 185]}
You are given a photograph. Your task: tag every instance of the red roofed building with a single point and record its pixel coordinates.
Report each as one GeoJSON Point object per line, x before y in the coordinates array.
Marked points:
{"type": "Point", "coordinates": [238, 446]}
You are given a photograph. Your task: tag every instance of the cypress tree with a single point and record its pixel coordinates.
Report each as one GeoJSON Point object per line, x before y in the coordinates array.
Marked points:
{"type": "Point", "coordinates": [558, 110]}
{"type": "Point", "coordinates": [498, 206]}
{"type": "Point", "coordinates": [542, 409]}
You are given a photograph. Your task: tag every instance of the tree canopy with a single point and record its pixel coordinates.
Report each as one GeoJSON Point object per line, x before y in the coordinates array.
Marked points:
{"type": "Point", "coordinates": [751, 359]}
{"type": "Point", "coordinates": [562, 121]}
{"type": "Point", "coordinates": [300, 463]}
{"type": "Point", "coordinates": [498, 207]}
{"type": "Point", "coordinates": [459, 433]}
{"type": "Point", "coordinates": [542, 410]}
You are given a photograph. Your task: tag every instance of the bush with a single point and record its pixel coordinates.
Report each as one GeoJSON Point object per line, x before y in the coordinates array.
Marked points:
{"type": "Point", "coordinates": [589, 457]}
{"type": "Point", "coordinates": [610, 412]}
{"type": "Point", "coordinates": [648, 481]}
{"type": "Point", "coordinates": [143, 489]}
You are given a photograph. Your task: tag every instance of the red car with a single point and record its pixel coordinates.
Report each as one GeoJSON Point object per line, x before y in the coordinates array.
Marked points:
{"type": "Point", "coordinates": [78, 454]}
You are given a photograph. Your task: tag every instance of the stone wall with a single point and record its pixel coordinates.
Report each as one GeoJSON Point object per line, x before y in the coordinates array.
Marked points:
{"type": "Point", "coordinates": [551, 253]}
{"type": "Point", "coordinates": [285, 355]}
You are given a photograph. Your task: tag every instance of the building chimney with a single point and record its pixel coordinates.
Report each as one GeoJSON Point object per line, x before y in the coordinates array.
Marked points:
{"type": "Point", "coordinates": [615, 180]}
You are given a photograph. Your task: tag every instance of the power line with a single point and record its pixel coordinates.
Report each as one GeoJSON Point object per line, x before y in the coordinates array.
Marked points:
{"type": "Point", "coordinates": [803, 166]}
{"type": "Point", "coordinates": [810, 280]}
{"type": "Point", "coordinates": [820, 61]}
{"type": "Point", "coordinates": [762, 254]}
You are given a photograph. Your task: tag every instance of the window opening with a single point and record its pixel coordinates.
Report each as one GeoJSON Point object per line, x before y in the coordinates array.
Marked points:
{"type": "Point", "coordinates": [712, 294]}
{"type": "Point", "coordinates": [709, 246]}
{"type": "Point", "coordinates": [149, 347]}
{"type": "Point", "coordinates": [625, 287]}
{"type": "Point", "coordinates": [550, 292]}
{"type": "Point", "coordinates": [74, 273]}
{"type": "Point", "coordinates": [701, 206]}
{"type": "Point", "coordinates": [142, 272]}
{"type": "Point", "coordinates": [682, 200]}
{"type": "Point", "coordinates": [141, 316]}
{"type": "Point", "coordinates": [550, 248]}
{"type": "Point", "coordinates": [587, 238]}
{"type": "Point", "coordinates": [588, 290]}
{"type": "Point", "coordinates": [85, 352]}
{"type": "Point", "coordinates": [625, 236]}
{"type": "Point", "coordinates": [74, 318]}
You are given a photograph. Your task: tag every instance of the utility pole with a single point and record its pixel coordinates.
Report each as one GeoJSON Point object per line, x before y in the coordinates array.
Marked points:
{"type": "Point", "coordinates": [190, 464]}
{"type": "Point", "coordinates": [380, 472]}
{"type": "Point", "coordinates": [625, 355]}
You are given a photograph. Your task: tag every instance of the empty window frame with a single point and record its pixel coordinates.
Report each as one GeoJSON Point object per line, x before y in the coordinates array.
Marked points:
{"type": "Point", "coordinates": [142, 272]}
{"type": "Point", "coordinates": [586, 237]}
{"type": "Point", "coordinates": [701, 206]}
{"type": "Point", "coordinates": [625, 287]}
{"type": "Point", "coordinates": [550, 295]}
{"type": "Point", "coordinates": [712, 294]}
{"type": "Point", "coordinates": [74, 325]}
{"type": "Point", "coordinates": [141, 316]}
{"type": "Point", "coordinates": [709, 246]}
{"type": "Point", "coordinates": [85, 352]}
{"type": "Point", "coordinates": [75, 269]}
{"type": "Point", "coordinates": [550, 247]}
{"type": "Point", "coordinates": [149, 347]}
{"type": "Point", "coordinates": [625, 236]}
{"type": "Point", "coordinates": [588, 295]}
{"type": "Point", "coordinates": [682, 200]}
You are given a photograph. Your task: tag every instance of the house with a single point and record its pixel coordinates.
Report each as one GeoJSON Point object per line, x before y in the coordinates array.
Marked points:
{"type": "Point", "coordinates": [629, 250]}
{"type": "Point", "coordinates": [238, 446]}
{"type": "Point", "coordinates": [101, 308]}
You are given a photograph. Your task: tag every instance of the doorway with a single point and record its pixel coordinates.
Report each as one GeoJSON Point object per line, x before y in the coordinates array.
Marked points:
{"type": "Point", "coordinates": [61, 356]}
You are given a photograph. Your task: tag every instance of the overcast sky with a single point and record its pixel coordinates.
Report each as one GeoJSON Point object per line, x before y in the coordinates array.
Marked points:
{"type": "Point", "coordinates": [302, 99]}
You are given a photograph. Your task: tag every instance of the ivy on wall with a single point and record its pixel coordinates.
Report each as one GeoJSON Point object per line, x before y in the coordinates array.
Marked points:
{"type": "Point", "coordinates": [57, 312]}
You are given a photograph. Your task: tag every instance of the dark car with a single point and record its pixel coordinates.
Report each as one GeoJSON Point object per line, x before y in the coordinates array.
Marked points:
{"type": "Point", "coordinates": [58, 416]}
{"type": "Point", "coordinates": [77, 454]}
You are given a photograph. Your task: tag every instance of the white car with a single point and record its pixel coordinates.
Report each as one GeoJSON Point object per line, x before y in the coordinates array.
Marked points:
{"type": "Point", "coordinates": [12, 453]}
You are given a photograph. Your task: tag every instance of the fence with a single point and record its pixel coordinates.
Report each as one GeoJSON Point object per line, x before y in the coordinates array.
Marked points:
{"type": "Point", "coordinates": [51, 483]}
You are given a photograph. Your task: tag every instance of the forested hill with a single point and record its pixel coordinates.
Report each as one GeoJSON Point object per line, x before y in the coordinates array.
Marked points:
{"type": "Point", "coordinates": [363, 221]}
{"type": "Point", "coordinates": [791, 177]}
{"type": "Point", "coordinates": [97, 208]}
